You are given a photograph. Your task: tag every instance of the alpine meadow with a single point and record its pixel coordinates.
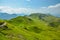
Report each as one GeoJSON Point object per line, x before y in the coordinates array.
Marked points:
{"type": "Point", "coordinates": [29, 19]}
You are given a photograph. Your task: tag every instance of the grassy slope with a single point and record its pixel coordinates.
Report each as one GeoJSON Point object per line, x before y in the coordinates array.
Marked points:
{"type": "Point", "coordinates": [24, 28]}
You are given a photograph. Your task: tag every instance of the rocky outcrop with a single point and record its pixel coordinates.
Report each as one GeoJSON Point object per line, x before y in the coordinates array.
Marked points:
{"type": "Point", "coordinates": [2, 24]}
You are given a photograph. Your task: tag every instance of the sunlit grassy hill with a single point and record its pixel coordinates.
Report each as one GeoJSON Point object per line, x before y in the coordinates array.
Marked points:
{"type": "Point", "coordinates": [32, 27]}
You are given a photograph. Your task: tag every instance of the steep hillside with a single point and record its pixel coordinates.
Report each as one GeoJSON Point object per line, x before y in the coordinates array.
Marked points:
{"type": "Point", "coordinates": [30, 28]}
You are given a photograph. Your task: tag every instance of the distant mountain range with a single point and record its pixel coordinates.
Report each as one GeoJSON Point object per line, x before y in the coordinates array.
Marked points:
{"type": "Point", "coordinates": [9, 16]}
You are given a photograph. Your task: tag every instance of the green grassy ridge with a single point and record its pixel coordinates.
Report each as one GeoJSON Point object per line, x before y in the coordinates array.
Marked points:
{"type": "Point", "coordinates": [16, 32]}
{"type": "Point", "coordinates": [29, 28]}
{"type": "Point", "coordinates": [49, 19]}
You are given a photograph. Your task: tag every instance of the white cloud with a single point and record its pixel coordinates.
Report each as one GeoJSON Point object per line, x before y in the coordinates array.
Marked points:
{"type": "Point", "coordinates": [16, 10]}
{"type": "Point", "coordinates": [13, 10]}
{"type": "Point", "coordinates": [50, 9]}
{"type": "Point", "coordinates": [54, 9]}
{"type": "Point", "coordinates": [54, 6]}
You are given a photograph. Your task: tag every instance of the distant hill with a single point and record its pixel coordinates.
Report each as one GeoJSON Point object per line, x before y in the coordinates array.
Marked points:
{"type": "Point", "coordinates": [50, 19]}
{"type": "Point", "coordinates": [7, 16]}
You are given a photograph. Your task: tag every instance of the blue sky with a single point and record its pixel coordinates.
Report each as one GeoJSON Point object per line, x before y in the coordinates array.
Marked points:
{"type": "Point", "coordinates": [28, 3]}
{"type": "Point", "coordinates": [30, 6]}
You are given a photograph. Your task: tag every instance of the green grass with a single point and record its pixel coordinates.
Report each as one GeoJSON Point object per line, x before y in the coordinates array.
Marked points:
{"type": "Point", "coordinates": [30, 28]}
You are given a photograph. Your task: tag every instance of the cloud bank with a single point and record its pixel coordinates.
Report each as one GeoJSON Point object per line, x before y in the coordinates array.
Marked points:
{"type": "Point", "coordinates": [53, 9]}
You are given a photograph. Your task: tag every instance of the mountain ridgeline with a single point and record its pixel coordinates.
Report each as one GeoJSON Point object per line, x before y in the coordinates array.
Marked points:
{"type": "Point", "coordinates": [36, 26]}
